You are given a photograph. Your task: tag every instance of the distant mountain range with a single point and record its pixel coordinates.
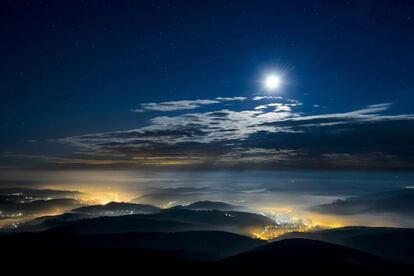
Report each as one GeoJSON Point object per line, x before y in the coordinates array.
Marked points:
{"type": "Point", "coordinates": [205, 236]}
{"type": "Point", "coordinates": [168, 220]}
{"type": "Point", "coordinates": [210, 205]}
{"type": "Point", "coordinates": [120, 217]}
{"type": "Point", "coordinates": [117, 208]}
{"type": "Point", "coordinates": [24, 203]}
{"type": "Point", "coordinates": [11, 208]}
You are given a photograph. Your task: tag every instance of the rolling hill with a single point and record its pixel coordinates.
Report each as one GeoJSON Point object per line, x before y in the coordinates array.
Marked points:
{"type": "Point", "coordinates": [307, 256]}
{"type": "Point", "coordinates": [392, 243]}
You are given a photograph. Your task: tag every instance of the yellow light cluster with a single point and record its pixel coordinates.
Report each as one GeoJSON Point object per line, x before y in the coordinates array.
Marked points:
{"type": "Point", "coordinates": [272, 232]}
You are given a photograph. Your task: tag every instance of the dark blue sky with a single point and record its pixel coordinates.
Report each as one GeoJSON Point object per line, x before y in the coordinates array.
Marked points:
{"type": "Point", "coordinates": [70, 68]}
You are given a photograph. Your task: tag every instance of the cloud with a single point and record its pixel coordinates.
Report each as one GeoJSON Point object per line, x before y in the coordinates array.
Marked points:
{"type": "Point", "coordinates": [274, 135]}
{"type": "Point", "coordinates": [257, 155]}
{"type": "Point", "coordinates": [398, 202]}
{"type": "Point", "coordinates": [263, 106]}
{"type": "Point", "coordinates": [67, 160]}
{"type": "Point", "coordinates": [174, 105]}
{"type": "Point", "coordinates": [279, 106]}
{"type": "Point", "coordinates": [184, 104]}
{"type": "Point", "coordinates": [229, 99]}
{"type": "Point", "coordinates": [231, 125]}
{"type": "Point", "coordinates": [258, 98]}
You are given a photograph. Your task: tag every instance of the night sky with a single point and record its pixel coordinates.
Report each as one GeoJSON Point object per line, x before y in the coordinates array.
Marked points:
{"type": "Point", "coordinates": [128, 83]}
{"type": "Point", "coordinates": [271, 104]}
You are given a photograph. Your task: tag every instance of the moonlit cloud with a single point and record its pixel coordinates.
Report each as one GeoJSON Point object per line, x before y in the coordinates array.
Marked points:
{"type": "Point", "coordinates": [256, 155]}
{"type": "Point", "coordinates": [258, 98]}
{"type": "Point", "coordinates": [184, 104]}
{"type": "Point", "coordinates": [398, 203]}
{"type": "Point", "coordinates": [276, 133]}
{"type": "Point", "coordinates": [229, 99]}
{"type": "Point", "coordinates": [174, 105]}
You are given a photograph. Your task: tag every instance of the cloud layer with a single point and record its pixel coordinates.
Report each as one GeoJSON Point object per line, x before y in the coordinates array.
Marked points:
{"type": "Point", "coordinates": [396, 205]}
{"type": "Point", "coordinates": [265, 131]}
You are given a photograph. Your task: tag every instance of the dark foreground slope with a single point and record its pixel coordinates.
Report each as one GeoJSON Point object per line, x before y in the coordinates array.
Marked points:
{"type": "Point", "coordinates": [309, 256]}
{"type": "Point", "coordinates": [213, 245]}
{"type": "Point", "coordinates": [108, 261]}
{"type": "Point", "coordinates": [391, 243]}
{"type": "Point", "coordinates": [180, 255]}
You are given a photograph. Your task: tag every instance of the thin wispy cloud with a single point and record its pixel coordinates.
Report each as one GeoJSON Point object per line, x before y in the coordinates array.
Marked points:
{"type": "Point", "coordinates": [258, 98]}
{"type": "Point", "coordinates": [184, 104]}
{"type": "Point", "coordinates": [229, 99]}
{"type": "Point", "coordinates": [174, 105]}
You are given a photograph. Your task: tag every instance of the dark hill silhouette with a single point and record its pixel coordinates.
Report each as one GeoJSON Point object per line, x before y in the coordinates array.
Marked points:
{"type": "Point", "coordinates": [84, 212]}
{"type": "Point", "coordinates": [217, 244]}
{"type": "Point", "coordinates": [169, 220]}
{"type": "Point", "coordinates": [117, 208]}
{"type": "Point", "coordinates": [107, 261]}
{"type": "Point", "coordinates": [91, 211]}
{"type": "Point", "coordinates": [88, 254]}
{"type": "Point", "coordinates": [122, 224]}
{"type": "Point", "coordinates": [393, 243]}
{"type": "Point", "coordinates": [47, 222]}
{"type": "Point", "coordinates": [209, 205]}
{"type": "Point", "coordinates": [310, 256]}
{"type": "Point", "coordinates": [215, 218]}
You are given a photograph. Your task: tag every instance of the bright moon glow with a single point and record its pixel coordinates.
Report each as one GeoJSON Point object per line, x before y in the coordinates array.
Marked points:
{"type": "Point", "coordinates": [272, 82]}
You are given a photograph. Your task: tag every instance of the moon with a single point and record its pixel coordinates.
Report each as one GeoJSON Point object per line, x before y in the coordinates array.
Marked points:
{"type": "Point", "coordinates": [272, 82]}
